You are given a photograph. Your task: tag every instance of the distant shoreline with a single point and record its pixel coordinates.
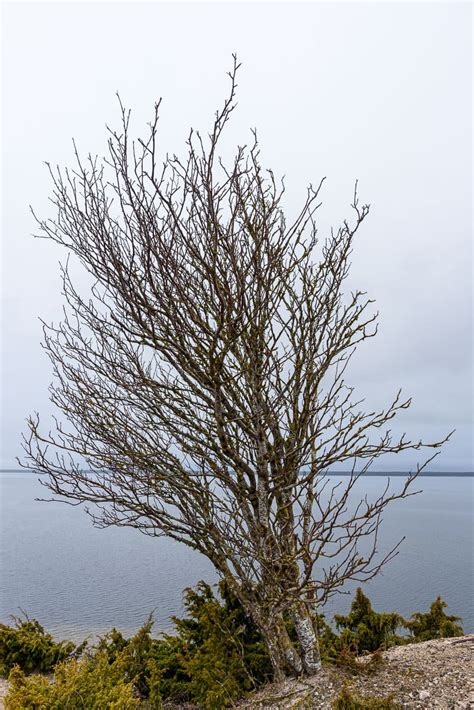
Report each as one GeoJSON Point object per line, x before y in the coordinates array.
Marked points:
{"type": "Point", "coordinates": [423, 474]}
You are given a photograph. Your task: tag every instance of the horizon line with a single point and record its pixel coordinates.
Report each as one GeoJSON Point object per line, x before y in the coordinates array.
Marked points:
{"type": "Point", "coordinates": [343, 473]}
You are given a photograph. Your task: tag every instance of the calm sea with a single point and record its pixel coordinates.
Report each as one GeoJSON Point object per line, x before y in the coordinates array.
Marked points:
{"type": "Point", "coordinates": [77, 580]}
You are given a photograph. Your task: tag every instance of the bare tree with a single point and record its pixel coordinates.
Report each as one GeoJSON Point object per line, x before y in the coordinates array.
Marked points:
{"type": "Point", "coordinates": [202, 380]}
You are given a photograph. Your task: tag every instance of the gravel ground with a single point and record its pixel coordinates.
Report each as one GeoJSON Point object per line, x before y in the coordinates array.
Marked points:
{"type": "Point", "coordinates": [3, 690]}
{"type": "Point", "coordinates": [434, 674]}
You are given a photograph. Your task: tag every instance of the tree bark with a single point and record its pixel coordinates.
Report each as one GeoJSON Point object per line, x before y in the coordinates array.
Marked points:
{"type": "Point", "coordinates": [284, 657]}
{"type": "Point", "coordinates": [307, 638]}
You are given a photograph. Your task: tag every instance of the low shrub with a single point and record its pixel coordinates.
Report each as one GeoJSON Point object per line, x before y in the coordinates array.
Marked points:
{"type": "Point", "coordinates": [348, 659]}
{"type": "Point", "coordinates": [216, 655]}
{"type": "Point", "coordinates": [435, 624]}
{"type": "Point", "coordinates": [91, 682]}
{"type": "Point", "coordinates": [327, 639]}
{"type": "Point", "coordinates": [136, 656]}
{"type": "Point", "coordinates": [366, 630]}
{"type": "Point", "coordinates": [28, 646]}
{"type": "Point", "coordinates": [348, 701]}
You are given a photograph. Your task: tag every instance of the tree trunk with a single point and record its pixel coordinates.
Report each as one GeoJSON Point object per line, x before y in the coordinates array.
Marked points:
{"type": "Point", "coordinates": [284, 657]}
{"type": "Point", "coordinates": [307, 638]}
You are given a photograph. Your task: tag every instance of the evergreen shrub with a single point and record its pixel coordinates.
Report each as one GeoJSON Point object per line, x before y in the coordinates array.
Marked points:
{"type": "Point", "coordinates": [363, 629]}
{"type": "Point", "coordinates": [216, 655]}
{"type": "Point", "coordinates": [28, 646]}
{"type": "Point", "coordinates": [91, 682]}
{"type": "Point", "coordinates": [435, 624]}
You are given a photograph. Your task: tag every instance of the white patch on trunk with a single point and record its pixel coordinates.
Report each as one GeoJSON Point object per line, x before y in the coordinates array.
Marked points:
{"type": "Point", "coordinates": [294, 661]}
{"type": "Point", "coordinates": [309, 643]}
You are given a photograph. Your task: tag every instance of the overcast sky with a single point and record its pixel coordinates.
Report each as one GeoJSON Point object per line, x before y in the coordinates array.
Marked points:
{"type": "Point", "coordinates": [379, 92]}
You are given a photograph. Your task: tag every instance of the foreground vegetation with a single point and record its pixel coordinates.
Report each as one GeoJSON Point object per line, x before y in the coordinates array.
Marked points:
{"type": "Point", "coordinates": [216, 655]}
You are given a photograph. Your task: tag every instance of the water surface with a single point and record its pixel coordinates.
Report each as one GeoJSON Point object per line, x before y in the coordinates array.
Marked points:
{"type": "Point", "coordinates": [78, 580]}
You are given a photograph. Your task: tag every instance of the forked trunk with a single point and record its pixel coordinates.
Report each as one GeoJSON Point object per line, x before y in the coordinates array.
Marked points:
{"type": "Point", "coordinates": [284, 657]}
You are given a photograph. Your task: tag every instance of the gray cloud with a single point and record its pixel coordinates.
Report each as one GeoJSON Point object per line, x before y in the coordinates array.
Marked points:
{"type": "Point", "coordinates": [379, 92]}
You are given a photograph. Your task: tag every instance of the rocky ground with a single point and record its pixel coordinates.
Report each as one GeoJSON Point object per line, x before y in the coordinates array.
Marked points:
{"type": "Point", "coordinates": [422, 676]}
{"type": "Point", "coordinates": [434, 674]}
{"type": "Point", "coordinates": [3, 690]}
